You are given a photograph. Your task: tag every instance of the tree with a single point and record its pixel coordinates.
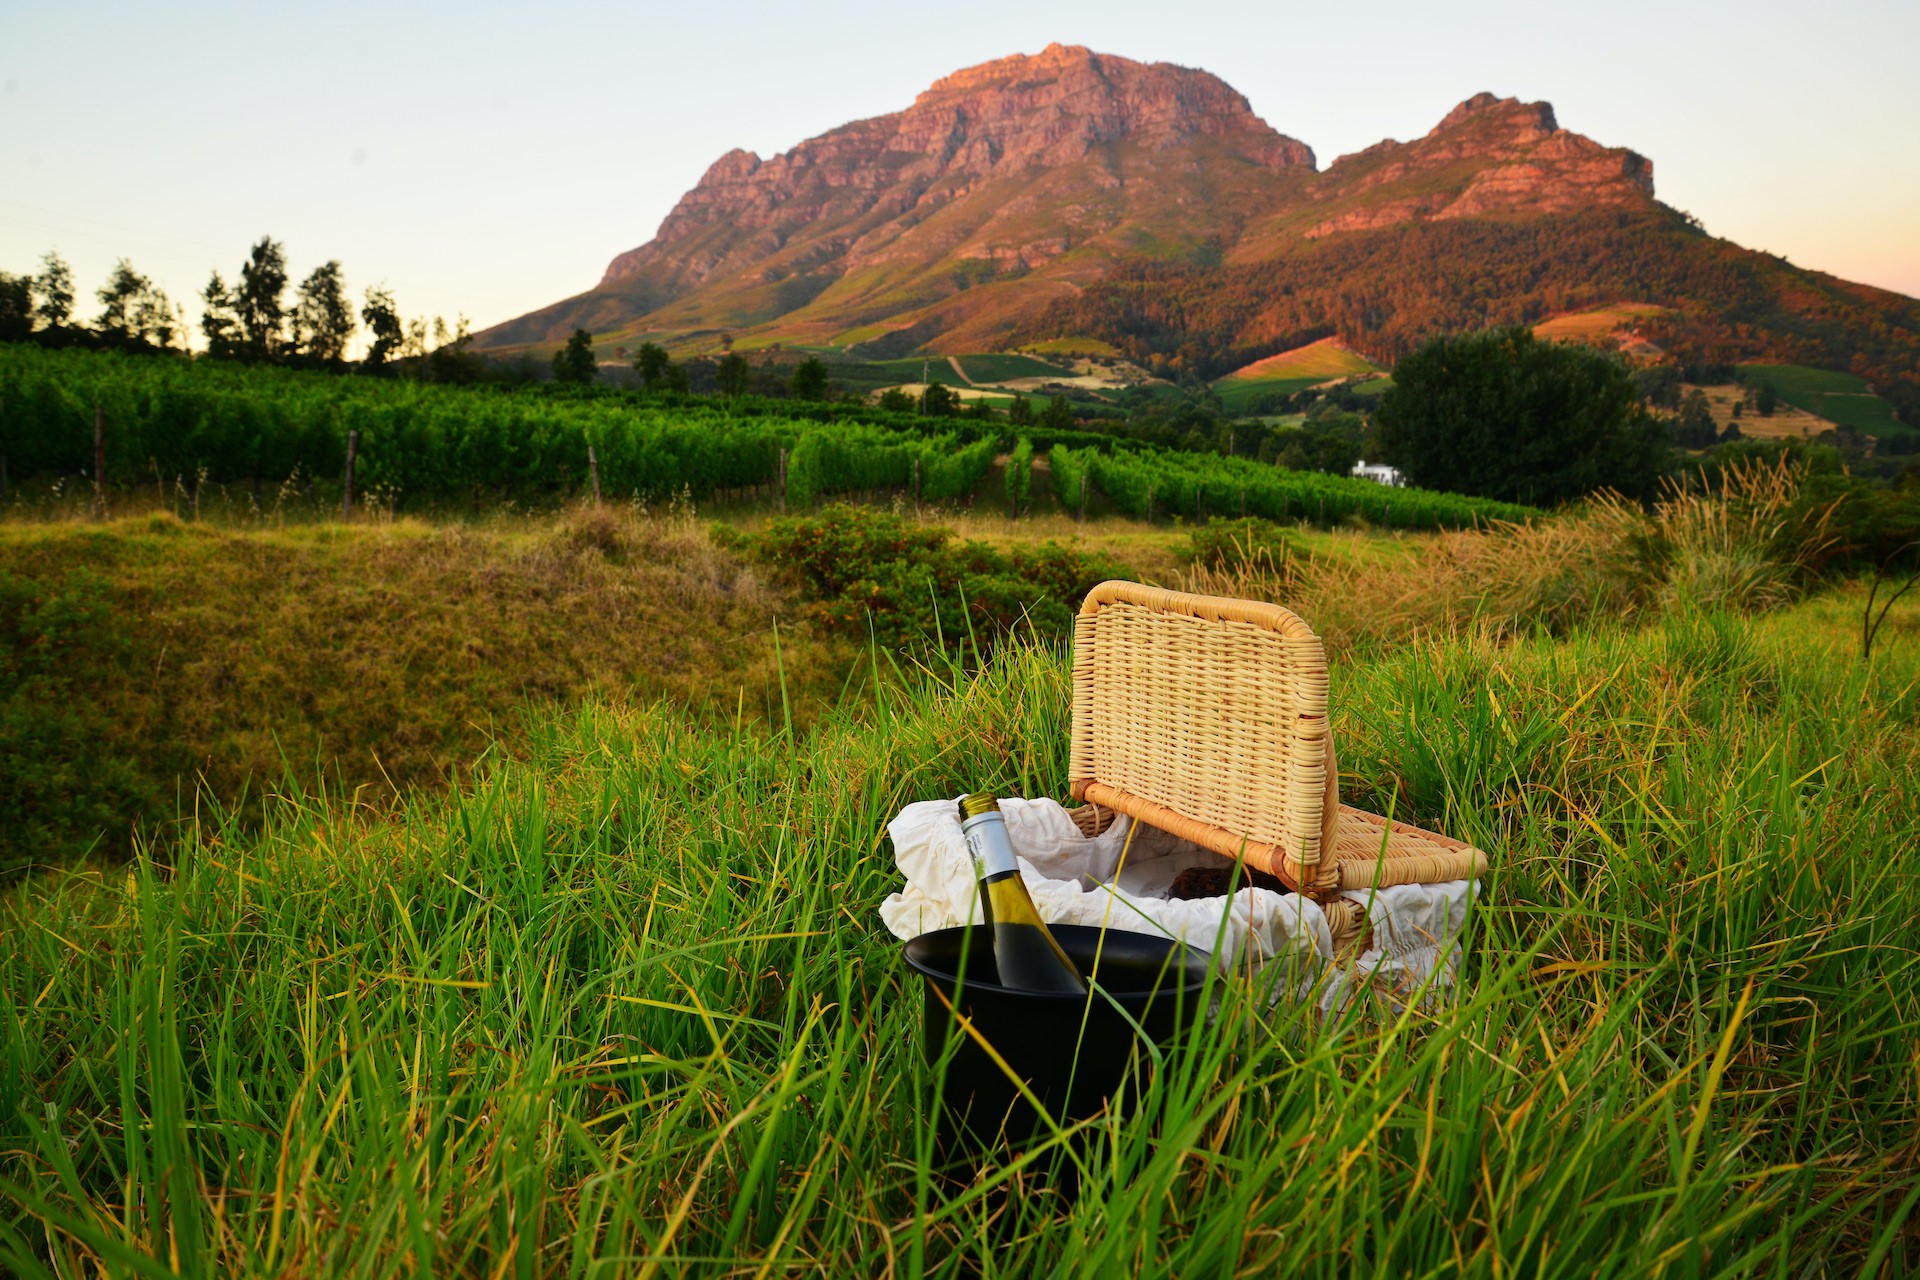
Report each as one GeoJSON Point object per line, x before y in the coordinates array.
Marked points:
{"type": "Point", "coordinates": [1503, 415]}
{"type": "Point", "coordinates": [382, 318]}
{"type": "Point", "coordinates": [1660, 385]}
{"type": "Point", "coordinates": [1695, 429]}
{"type": "Point", "coordinates": [699, 373]}
{"type": "Point", "coordinates": [257, 301]}
{"type": "Point", "coordinates": [1766, 400]}
{"type": "Point", "coordinates": [322, 316]}
{"type": "Point", "coordinates": [53, 292]}
{"type": "Point", "coordinates": [1058, 415]}
{"type": "Point", "coordinates": [218, 319]}
{"type": "Point", "coordinates": [652, 364]}
{"type": "Point", "coordinates": [938, 402]}
{"type": "Point", "coordinates": [894, 400]}
{"type": "Point", "coordinates": [118, 298]}
{"type": "Point", "coordinates": [574, 362]}
{"type": "Point", "coordinates": [158, 320]}
{"type": "Point", "coordinates": [1020, 412]}
{"type": "Point", "coordinates": [731, 375]}
{"type": "Point", "coordinates": [16, 307]}
{"type": "Point", "coordinates": [449, 361]}
{"type": "Point", "coordinates": [133, 310]}
{"type": "Point", "coordinates": [809, 381]}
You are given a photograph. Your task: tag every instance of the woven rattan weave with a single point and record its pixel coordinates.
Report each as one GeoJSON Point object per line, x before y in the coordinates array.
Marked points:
{"type": "Point", "coordinates": [1207, 717]}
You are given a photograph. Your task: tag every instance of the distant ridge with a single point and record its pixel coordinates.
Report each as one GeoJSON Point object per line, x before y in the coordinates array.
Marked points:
{"type": "Point", "coordinates": [1144, 205]}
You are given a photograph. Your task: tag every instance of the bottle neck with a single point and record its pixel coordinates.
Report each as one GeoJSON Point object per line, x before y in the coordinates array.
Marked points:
{"type": "Point", "coordinates": [990, 846]}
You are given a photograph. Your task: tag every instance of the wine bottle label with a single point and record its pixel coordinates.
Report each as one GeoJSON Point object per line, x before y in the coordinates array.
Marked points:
{"type": "Point", "coordinates": [988, 843]}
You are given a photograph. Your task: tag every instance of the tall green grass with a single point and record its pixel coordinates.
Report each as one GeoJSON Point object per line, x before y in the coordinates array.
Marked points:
{"type": "Point", "coordinates": [625, 1005]}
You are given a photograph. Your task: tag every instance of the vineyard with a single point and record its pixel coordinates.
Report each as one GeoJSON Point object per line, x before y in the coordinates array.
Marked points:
{"type": "Point", "coordinates": [177, 425]}
{"type": "Point", "coordinates": [1156, 485]}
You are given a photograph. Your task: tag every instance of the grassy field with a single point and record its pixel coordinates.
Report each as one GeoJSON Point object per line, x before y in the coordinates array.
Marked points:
{"type": "Point", "coordinates": [252, 658]}
{"type": "Point", "coordinates": [1837, 397]}
{"type": "Point", "coordinates": [1290, 371]}
{"type": "Point", "coordinates": [620, 1002]}
{"type": "Point", "coordinates": [1599, 322]}
{"type": "Point", "coordinates": [626, 1004]}
{"type": "Point", "coordinates": [872, 375]}
{"type": "Point", "coordinates": [1787, 421]}
{"type": "Point", "coordinates": [150, 665]}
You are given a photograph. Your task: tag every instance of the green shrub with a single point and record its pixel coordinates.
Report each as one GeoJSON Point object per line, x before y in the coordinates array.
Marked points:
{"type": "Point", "coordinates": [915, 587]}
{"type": "Point", "coordinates": [1223, 544]}
{"type": "Point", "coordinates": [60, 783]}
{"type": "Point", "coordinates": [1503, 415]}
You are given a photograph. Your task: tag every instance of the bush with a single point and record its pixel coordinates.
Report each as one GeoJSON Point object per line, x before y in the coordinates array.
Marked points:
{"type": "Point", "coordinates": [62, 784]}
{"type": "Point", "coordinates": [1019, 477]}
{"type": "Point", "coordinates": [916, 587]}
{"type": "Point", "coordinates": [1503, 415]}
{"type": "Point", "coordinates": [1224, 543]}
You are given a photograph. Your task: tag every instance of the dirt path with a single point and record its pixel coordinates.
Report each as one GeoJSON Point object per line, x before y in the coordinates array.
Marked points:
{"type": "Point", "coordinates": [955, 362]}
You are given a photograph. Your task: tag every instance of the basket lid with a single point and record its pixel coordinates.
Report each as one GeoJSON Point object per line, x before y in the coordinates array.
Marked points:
{"type": "Point", "coordinates": [1207, 717]}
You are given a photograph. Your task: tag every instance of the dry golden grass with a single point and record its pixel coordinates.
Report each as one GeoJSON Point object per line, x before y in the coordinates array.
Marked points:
{"type": "Point", "coordinates": [1786, 422]}
{"type": "Point", "coordinates": [1325, 359]}
{"type": "Point", "coordinates": [390, 654]}
{"type": "Point", "coordinates": [1739, 546]}
{"type": "Point", "coordinates": [1599, 322]}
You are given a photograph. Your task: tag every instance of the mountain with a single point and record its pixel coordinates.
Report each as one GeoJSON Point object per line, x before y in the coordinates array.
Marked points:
{"type": "Point", "coordinates": [1038, 170]}
{"type": "Point", "coordinates": [1073, 193]}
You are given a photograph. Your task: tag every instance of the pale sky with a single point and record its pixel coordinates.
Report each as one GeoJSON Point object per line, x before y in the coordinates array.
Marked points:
{"type": "Point", "coordinates": [488, 159]}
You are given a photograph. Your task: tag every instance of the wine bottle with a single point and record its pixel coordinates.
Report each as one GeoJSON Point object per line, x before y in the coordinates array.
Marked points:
{"type": "Point", "coordinates": [1024, 950]}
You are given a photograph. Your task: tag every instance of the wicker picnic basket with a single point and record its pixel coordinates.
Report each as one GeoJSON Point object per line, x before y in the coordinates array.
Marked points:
{"type": "Point", "coordinates": [1207, 717]}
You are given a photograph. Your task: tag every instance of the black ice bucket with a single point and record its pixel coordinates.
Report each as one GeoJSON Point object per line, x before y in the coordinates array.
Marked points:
{"type": "Point", "coordinates": [1073, 1052]}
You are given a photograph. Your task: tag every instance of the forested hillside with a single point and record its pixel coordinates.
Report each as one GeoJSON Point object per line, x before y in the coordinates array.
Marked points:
{"type": "Point", "coordinates": [1383, 292]}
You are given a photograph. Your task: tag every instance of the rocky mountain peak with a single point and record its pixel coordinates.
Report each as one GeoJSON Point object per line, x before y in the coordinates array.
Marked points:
{"type": "Point", "coordinates": [1527, 121]}
{"type": "Point", "coordinates": [1488, 156]}
{"type": "Point", "coordinates": [1055, 106]}
{"type": "Point", "coordinates": [1065, 108]}
{"type": "Point", "coordinates": [1047, 64]}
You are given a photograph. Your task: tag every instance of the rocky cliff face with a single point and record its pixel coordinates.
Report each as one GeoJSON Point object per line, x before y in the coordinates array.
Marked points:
{"type": "Point", "coordinates": [1487, 156]}
{"type": "Point", "coordinates": [1019, 180]}
{"type": "Point", "coordinates": [843, 194]}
